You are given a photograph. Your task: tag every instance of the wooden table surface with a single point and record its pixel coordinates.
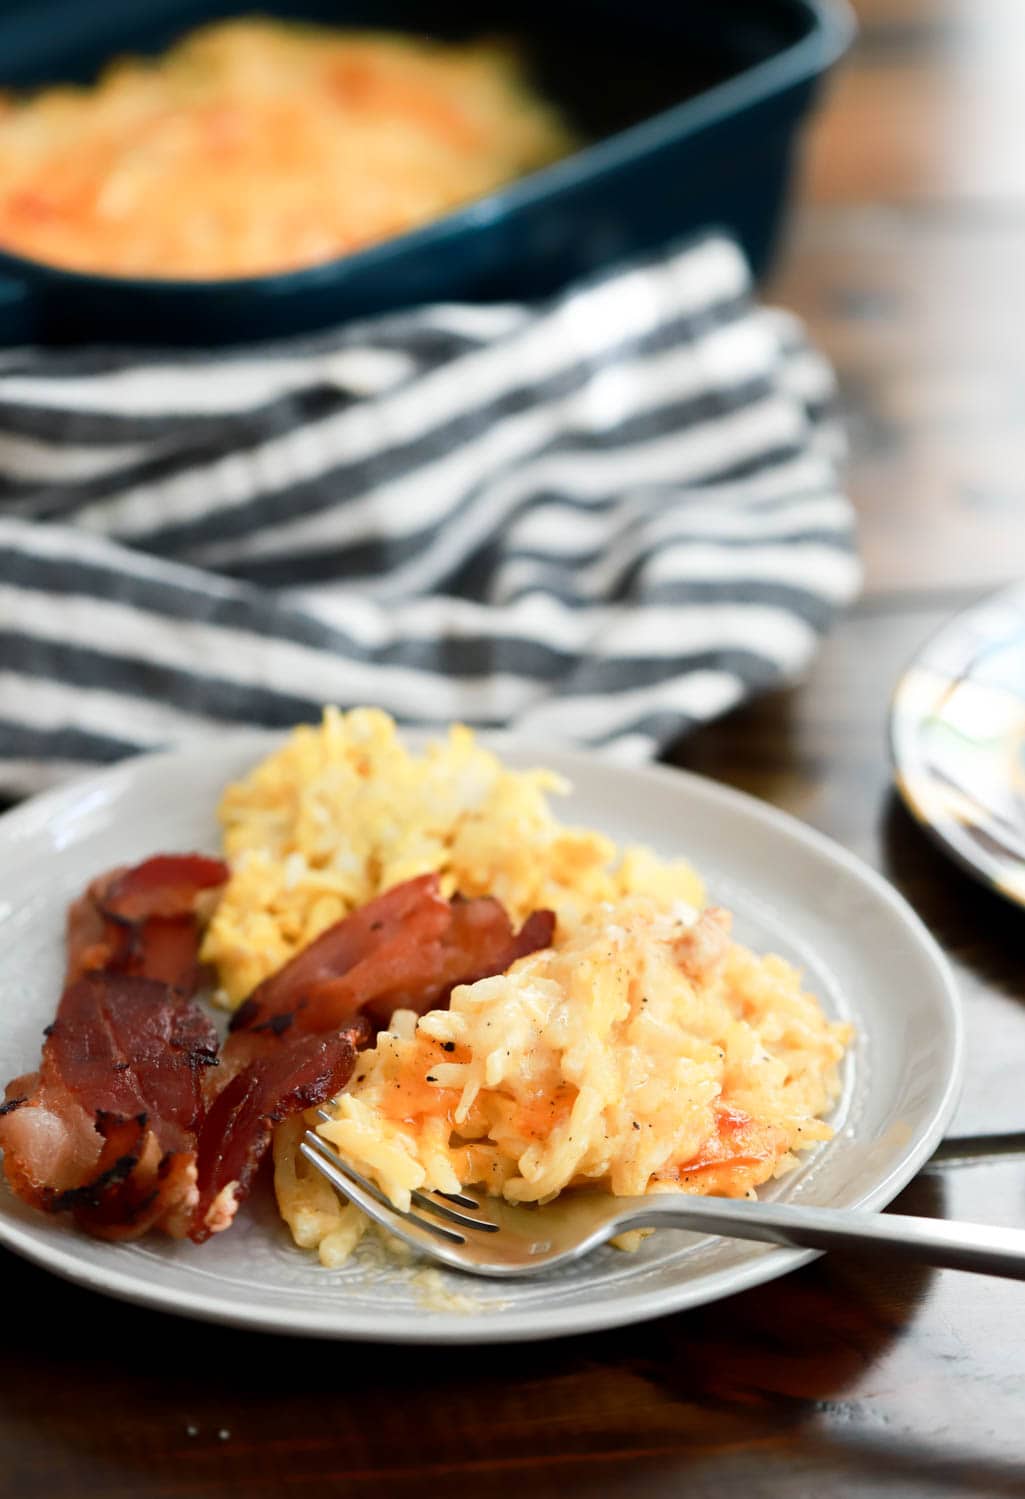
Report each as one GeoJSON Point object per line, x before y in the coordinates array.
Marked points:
{"type": "Point", "coordinates": [905, 255]}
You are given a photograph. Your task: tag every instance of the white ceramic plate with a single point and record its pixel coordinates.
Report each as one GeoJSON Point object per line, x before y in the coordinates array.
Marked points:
{"type": "Point", "coordinates": [863, 951]}
{"type": "Point", "coordinates": [957, 731]}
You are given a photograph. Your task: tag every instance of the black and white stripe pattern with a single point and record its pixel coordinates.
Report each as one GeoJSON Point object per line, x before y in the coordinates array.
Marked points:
{"type": "Point", "coordinates": [599, 521]}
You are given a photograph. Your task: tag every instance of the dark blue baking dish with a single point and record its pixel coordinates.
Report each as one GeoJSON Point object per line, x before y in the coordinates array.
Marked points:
{"type": "Point", "coordinates": [692, 110]}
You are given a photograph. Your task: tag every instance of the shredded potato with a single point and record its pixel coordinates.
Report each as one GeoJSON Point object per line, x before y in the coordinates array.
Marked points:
{"type": "Point", "coordinates": [648, 1053]}
{"type": "Point", "coordinates": [256, 146]}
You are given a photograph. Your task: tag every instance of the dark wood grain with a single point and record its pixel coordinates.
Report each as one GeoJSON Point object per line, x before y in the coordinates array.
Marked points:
{"type": "Point", "coordinates": [873, 1382]}
{"type": "Point", "coordinates": [905, 256]}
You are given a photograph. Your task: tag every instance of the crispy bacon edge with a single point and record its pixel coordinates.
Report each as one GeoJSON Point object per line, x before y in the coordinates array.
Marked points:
{"type": "Point", "coordinates": [282, 1078]}
{"type": "Point", "coordinates": [144, 920]}
{"type": "Point", "coordinates": [106, 1129]}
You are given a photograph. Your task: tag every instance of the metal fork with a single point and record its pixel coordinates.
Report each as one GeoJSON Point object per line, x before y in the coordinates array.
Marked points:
{"type": "Point", "coordinates": [496, 1238]}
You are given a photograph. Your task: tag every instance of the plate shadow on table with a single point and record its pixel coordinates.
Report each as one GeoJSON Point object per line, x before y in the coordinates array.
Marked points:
{"type": "Point", "coordinates": [971, 921]}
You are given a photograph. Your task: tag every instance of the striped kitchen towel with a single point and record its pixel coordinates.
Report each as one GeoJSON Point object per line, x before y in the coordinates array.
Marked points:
{"type": "Point", "coordinates": [599, 520]}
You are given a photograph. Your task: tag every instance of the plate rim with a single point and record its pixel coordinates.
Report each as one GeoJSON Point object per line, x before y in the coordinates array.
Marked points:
{"type": "Point", "coordinates": [902, 733]}
{"type": "Point", "coordinates": [528, 1325]}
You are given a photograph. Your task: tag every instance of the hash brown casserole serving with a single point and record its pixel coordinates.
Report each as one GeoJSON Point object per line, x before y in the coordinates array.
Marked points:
{"type": "Point", "coordinates": [644, 1050]}
{"type": "Point", "coordinates": [256, 146]}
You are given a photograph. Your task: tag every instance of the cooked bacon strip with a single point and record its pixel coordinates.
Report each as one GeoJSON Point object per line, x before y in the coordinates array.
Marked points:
{"type": "Point", "coordinates": [127, 1126]}
{"type": "Point", "coordinates": [49, 1141]}
{"type": "Point", "coordinates": [126, 1116]}
{"type": "Point", "coordinates": [284, 1077]}
{"type": "Point", "coordinates": [118, 1129]}
{"type": "Point", "coordinates": [138, 1187]}
{"type": "Point", "coordinates": [144, 920]}
{"type": "Point", "coordinates": [166, 885]}
{"type": "Point", "coordinates": [167, 948]}
{"type": "Point", "coordinates": [93, 940]}
{"type": "Point", "coordinates": [130, 1046]}
{"type": "Point", "coordinates": [411, 915]}
{"type": "Point", "coordinates": [480, 941]}
{"type": "Point", "coordinates": [407, 949]}
{"type": "Point", "coordinates": [107, 1127]}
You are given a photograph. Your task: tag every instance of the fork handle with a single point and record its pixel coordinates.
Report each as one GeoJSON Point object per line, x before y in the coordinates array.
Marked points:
{"type": "Point", "coordinates": [987, 1249]}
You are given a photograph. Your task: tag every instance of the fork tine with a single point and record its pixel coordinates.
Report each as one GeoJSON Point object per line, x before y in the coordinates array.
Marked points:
{"type": "Point", "coordinates": [422, 1200]}
{"type": "Point", "coordinates": [429, 1204]}
{"type": "Point", "coordinates": [432, 1205]}
{"type": "Point", "coordinates": [459, 1199]}
{"type": "Point", "coordinates": [311, 1138]}
{"type": "Point", "coordinates": [373, 1203]}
